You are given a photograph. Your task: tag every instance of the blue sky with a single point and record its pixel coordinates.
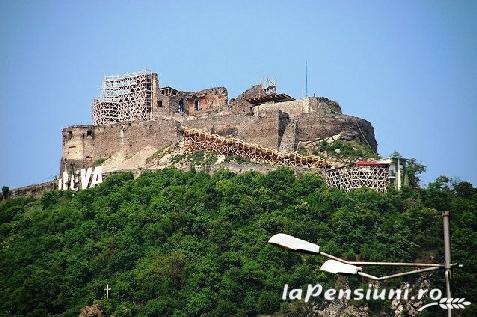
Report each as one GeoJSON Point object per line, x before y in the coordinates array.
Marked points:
{"type": "Point", "coordinates": [409, 67]}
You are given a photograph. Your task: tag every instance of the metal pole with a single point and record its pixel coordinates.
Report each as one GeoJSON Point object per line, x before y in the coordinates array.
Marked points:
{"type": "Point", "coordinates": [306, 78]}
{"type": "Point", "coordinates": [396, 264]}
{"type": "Point", "coordinates": [398, 173]}
{"type": "Point", "coordinates": [398, 274]}
{"type": "Point", "coordinates": [447, 257]}
{"type": "Point", "coordinates": [380, 263]}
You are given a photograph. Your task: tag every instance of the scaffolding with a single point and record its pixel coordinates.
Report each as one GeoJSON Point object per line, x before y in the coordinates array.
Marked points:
{"type": "Point", "coordinates": [126, 97]}
{"type": "Point", "coordinates": [352, 177]}
{"type": "Point", "coordinates": [198, 140]}
{"type": "Point", "coordinates": [338, 174]}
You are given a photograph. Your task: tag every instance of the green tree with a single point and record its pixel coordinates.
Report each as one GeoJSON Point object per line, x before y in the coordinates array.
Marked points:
{"type": "Point", "coordinates": [5, 191]}
{"type": "Point", "coordinates": [173, 243]}
{"type": "Point", "coordinates": [413, 170]}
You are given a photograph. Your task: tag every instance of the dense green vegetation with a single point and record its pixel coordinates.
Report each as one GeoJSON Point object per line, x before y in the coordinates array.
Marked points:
{"type": "Point", "coordinates": [174, 243]}
{"type": "Point", "coordinates": [99, 162]}
{"type": "Point", "coordinates": [345, 149]}
{"type": "Point", "coordinates": [196, 158]}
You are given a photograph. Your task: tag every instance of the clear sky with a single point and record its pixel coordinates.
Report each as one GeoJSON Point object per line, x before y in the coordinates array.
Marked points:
{"type": "Point", "coordinates": [408, 67]}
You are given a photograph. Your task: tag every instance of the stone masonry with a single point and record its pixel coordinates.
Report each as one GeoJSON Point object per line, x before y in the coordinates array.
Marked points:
{"type": "Point", "coordinates": [155, 116]}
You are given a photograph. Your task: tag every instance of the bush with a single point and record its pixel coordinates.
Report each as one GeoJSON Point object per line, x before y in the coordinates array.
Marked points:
{"type": "Point", "coordinates": [345, 149]}
{"type": "Point", "coordinates": [5, 191]}
{"type": "Point", "coordinates": [193, 244]}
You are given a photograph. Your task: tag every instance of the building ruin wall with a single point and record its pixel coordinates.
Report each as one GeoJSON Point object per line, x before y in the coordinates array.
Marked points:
{"type": "Point", "coordinates": [84, 145]}
{"type": "Point", "coordinates": [134, 112]}
{"type": "Point", "coordinates": [191, 103]}
{"type": "Point", "coordinates": [296, 108]}
{"type": "Point", "coordinates": [263, 130]}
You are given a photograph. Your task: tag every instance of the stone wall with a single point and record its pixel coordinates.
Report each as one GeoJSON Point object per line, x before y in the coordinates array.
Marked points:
{"type": "Point", "coordinates": [78, 147]}
{"type": "Point", "coordinates": [84, 145]}
{"type": "Point", "coordinates": [252, 92]}
{"type": "Point", "coordinates": [289, 142]}
{"type": "Point", "coordinates": [280, 126]}
{"type": "Point", "coordinates": [312, 126]}
{"type": "Point", "coordinates": [209, 100]}
{"type": "Point", "coordinates": [240, 104]}
{"type": "Point", "coordinates": [171, 101]}
{"type": "Point", "coordinates": [296, 108]}
{"type": "Point", "coordinates": [36, 190]}
{"type": "Point", "coordinates": [264, 130]}
{"type": "Point", "coordinates": [324, 105]}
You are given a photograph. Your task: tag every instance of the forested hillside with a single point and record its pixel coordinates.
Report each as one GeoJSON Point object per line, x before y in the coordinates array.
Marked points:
{"type": "Point", "coordinates": [173, 243]}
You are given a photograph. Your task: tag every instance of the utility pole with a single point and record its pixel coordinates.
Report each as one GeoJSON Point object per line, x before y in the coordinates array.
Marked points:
{"type": "Point", "coordinates": [306, 78]}
{"type": "Point", "coordinates": [398, 173]}
{"type": "Point", "coordinates": [447, 257]}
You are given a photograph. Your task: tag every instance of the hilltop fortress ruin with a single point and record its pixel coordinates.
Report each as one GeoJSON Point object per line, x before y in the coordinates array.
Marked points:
{"type": "Point", "coordinates": [139, 125]}
{"type": "Point", "coordinates": [134, 112]}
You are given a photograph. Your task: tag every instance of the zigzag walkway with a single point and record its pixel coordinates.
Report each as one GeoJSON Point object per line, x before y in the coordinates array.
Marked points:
{"type": "Point", "coordinates": [342, 175]}
{"type": "Point", "coordinates": [199, 140]}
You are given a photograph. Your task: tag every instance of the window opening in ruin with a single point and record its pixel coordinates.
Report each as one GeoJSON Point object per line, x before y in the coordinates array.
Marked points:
{"type": "Point", "coordinates": [197, 105]}
{"type": "Point", "coordinates": [89, 133]}
{"type": "Point", "coordinates": [181, 105]}
{"type": "Point", "coordinates": [159, 103]}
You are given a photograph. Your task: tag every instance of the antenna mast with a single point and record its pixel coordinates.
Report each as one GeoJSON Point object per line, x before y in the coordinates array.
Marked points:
{"type": "Point", "coordinates": [306, 78]}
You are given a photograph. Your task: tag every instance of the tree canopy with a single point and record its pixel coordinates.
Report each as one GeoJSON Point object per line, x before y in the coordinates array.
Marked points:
{"type": "Point", "coordinates": [173, 243]}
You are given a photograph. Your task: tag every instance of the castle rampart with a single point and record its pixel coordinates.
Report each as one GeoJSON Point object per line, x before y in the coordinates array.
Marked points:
{"type": "Point", "coordinates": [134, 113]}
{"type": "Point", "coordinates": [85, 145]}
{"type": "Point", "coordinates": [296, 108]}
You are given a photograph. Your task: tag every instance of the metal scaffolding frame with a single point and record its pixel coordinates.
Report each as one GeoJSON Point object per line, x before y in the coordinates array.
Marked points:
{"type": "Point", "coordinates": [340, 175]}
{"type": "Point", "coordinates": [123, 98]}
{"type": "Point", "coordinates": [352, 177]}
{"type": "Point", "coordinates": [198, 140]}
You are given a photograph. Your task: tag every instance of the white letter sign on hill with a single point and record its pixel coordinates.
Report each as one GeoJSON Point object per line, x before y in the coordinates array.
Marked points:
{"type": "Point", "coordinates": [81, 179]}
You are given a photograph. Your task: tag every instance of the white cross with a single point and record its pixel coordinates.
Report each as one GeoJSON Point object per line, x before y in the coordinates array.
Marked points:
{"type": "Point", "coordinates": [107, 289]}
